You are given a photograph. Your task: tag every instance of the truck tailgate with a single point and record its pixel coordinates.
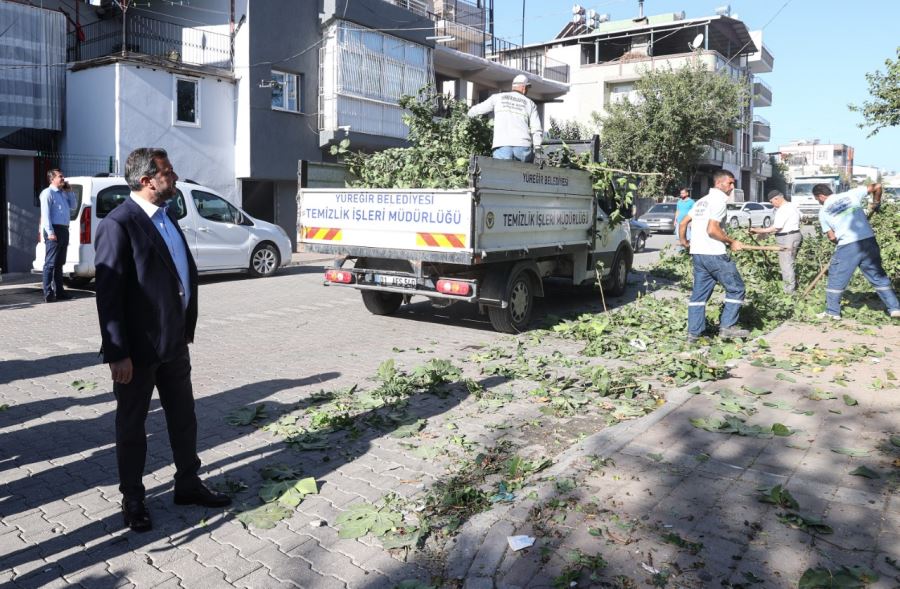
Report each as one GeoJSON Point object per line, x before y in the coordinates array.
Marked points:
{"type": "Point", "coordinates": [433, 225]}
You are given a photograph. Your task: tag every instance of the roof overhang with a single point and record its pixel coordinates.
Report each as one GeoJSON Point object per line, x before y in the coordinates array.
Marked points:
{"type": "Point", "coordinates": [450, 62]}
{"type": "Point", "coordinates": [723, 30]}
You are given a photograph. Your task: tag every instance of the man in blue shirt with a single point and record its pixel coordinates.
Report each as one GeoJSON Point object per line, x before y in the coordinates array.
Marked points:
{"type": "Point", "coordinates": [147, 307]}
{"type": "Point", "coordinates": [845, 222]}
{"type": "Point", "coordinates": [684, 206]}
{"type": "Point", "coordinates": [57, 204]}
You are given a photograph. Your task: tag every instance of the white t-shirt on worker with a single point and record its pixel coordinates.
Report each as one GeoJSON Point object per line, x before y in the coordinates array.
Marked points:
{"type": "Point", "coordinates": [711, 207]}
{"type": "Point", "coordinates": [787, 218]}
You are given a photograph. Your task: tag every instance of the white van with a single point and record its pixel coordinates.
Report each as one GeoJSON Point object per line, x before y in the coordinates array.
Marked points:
{"type": "Point", "coordinates": [222, 237]}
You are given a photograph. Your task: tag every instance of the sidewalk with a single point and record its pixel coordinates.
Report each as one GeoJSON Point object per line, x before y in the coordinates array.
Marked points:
{"type": "Point", "coordinates": [659, 501]}
{"type": "Point", "coordinates": [18, 279]}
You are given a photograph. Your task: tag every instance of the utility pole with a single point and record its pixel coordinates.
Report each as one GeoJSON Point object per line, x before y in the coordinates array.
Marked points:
{"type": "Point", "coordinates": [523, 27]}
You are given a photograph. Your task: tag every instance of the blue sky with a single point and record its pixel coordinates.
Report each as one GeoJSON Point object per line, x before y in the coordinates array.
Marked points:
{"type": "Point", "coordinates": [822, 49]}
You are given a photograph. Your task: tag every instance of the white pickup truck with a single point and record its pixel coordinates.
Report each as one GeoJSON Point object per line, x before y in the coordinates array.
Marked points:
{"type": "Point", "coordinates": [490, 244]}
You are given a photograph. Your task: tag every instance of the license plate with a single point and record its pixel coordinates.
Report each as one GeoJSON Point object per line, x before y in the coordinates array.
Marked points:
{"type": "Point", "coordinates": [401, 281]}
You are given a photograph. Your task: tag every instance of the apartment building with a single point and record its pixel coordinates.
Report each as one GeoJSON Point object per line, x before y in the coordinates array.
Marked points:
{"type": "Point", "coordinates": [812, 157]}
{"type": "Point", "coordinates": [605, 57]}
{"type": "Point", "coordinates": [247, 96]}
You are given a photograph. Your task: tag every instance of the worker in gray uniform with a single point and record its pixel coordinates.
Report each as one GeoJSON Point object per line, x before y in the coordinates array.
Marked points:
{"type": "Point", "coordinates": [517, 126]}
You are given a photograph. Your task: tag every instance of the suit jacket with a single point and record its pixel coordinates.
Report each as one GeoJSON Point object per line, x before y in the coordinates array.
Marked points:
{"type": "Point", "coordinates": [138, 291]}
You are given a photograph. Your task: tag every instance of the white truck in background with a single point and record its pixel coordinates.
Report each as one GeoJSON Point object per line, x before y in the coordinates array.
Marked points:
{"type": "Point", "coordinates": [490, 244]}
{"type": "Point", "coordinates": [802, 196]}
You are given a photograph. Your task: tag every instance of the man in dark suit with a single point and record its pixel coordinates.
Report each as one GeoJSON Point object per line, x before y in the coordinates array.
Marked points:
{"type": "Point", "coordinates": [147, 305]}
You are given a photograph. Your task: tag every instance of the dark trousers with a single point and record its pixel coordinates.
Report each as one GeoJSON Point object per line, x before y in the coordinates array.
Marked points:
{"type": "Point", "coordinates": [173, 381]}
{"type": "Point", "coordinates": [55, 259]}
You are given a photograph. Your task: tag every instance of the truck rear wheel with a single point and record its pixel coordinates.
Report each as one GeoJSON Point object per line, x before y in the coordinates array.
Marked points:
{"type": "Point", "coordinates": [382, 303]}
{"type": "Point", "coordinates": [517, 314]}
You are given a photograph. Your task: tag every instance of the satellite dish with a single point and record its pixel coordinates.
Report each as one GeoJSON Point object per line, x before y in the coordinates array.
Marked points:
{"type": "Point", "coordinates": [697, 42]}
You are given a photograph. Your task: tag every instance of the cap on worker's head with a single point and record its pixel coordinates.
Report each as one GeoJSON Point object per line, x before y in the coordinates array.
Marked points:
{"type": "Point", "coordinates": [774, 194]}
{"type": "Point", "coordinates": [521, 80]}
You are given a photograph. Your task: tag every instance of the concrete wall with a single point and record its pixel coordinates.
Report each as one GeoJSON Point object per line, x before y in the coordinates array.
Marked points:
{"type": "Point", "coordinates": [279, 139]}
{"type": "Point", "coordinates": [23, 217]}
{"type": "Point", "coordinates": [115, 108]}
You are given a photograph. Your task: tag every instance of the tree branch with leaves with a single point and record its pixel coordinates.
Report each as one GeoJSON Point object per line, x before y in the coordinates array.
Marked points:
{"type": "Point", "coordinates": [884, 109]}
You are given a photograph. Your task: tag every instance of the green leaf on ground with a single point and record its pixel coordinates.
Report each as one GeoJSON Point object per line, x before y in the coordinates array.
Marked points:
{"type": "Point", "coordinates": [246, 415]}
{"type": "Point", "coordinates": [4, 407]}
{"type": "Point", "coordinates": [264, 517]}
{"type": "Point", "coordinates": [807, 523]}
{"type": "Point", "coordinates": [757, 390]}
{"type": "Point", "coordinates": [851, 451]}
{"type": "Point", "coordinates": [695, 390]}
{"type": "Point", "coordinates": [673, 538]}
{"type": "Point", "coordinates": [779, 496]}
{"type": "Point", "coordinates": [83, 385]}
{"type": "Point", "coordinates": [280, 472]}
{"type": "Point", "coordinates": [410, 429]}
{"type": "Point", "coordinates": [655, 457]}
{"type": "Point", "coordinates": [895, 441]}
{"type": "Point", "coordinates": [731, 425]}
{"type": "Point", "coordinates": [850, 401]}
{"type": "Point", "coordinates": [865, 471]}
{"type": "Point", "coordinates": [785, 377]}
{"type": "Point", "coordinates": [820, 395]}
{"type": "Point", "coordinates": [854, 577]}
{"type": "Point", "coordinates": [779, 429]}
{"type": "Point", "coordinates": [364, 518]}
{"type": "Point", "coordinates": [288, 493]}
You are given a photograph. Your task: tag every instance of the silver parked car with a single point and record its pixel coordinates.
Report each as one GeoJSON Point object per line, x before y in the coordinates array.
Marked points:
{"type": "Point", "coordinates": [640, 233]}
{"type": "Point", "coordinates": [221, 237]}
{"type": "Point", "coordinates": [744, 214]}
{"type": "Point", "coordinates": [660, 218]}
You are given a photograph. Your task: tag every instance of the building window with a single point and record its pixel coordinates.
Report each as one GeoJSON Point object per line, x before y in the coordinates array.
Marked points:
{"type": "Point", "coordinates": [187, 101]}
{"type": "Point", "coordinates": [623, 92]}
{"type": "Point", "coordinates": [364, 75]}
{"type": "Point", "coordinates": [286, 91]}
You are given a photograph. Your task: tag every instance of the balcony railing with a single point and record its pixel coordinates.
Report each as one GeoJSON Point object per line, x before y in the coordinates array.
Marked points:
{"type": "Point", "coordinates": [532, 61]}
{"type": "Point", "coordinates": [761, 129]}
{"type": "Point", "coordinates": [461, 37]}
{"type": "Point", "coordinates": [762, 93]}
{"type": "Point", "coordinates": [719, 153]}
{"type": "Point", "coordinates": [148, 36]}
{"type": "Point", "coordinates": [417, 6]}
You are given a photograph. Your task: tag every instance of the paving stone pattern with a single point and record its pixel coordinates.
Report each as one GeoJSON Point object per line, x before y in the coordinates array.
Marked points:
{"type": "Point", "coordinates": [281, 340]}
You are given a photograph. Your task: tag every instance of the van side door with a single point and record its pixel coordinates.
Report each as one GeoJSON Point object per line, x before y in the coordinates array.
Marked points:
{"type": "Point", "coordinates": [223, 238]}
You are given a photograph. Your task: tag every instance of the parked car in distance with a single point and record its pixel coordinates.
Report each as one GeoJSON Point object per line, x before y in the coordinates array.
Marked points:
{"type": "Point", "coordinates": [660, 217]}
{"type": "Point", "coordinates": [640, 232]}
{"type": "Point", "coordinates": [741, 214]}
{"type": "Point", "coordinates": [221, 237]}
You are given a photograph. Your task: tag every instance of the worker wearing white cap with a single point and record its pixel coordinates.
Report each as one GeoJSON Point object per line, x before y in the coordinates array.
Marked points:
{"type": "Point", "coordinates": [517, 126]}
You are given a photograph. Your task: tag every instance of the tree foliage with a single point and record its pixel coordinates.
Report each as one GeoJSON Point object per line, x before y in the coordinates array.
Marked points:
{"type": "Point", "coordinates": [568, 130]}
{"type": "Point", "coordinates": [778, 180]}
{"type": "Point", "coordinates": [677, 113]}
{"type": "Point", "coordinates": [884, 108]}
{"type": "Point", "coordinates": [442, 141]}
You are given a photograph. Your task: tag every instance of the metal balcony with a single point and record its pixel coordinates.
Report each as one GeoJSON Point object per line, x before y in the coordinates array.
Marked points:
{"type": "Point", "coordinates": [762, 131]}
{"type": "Point", "coordinates": [148, 36]}
{"type": "Point", "coordinates": [762, 93]}
{"type": "Point", "coordinates": [761, 62]}
{"type": "Point", "coordinates": [718, 153]}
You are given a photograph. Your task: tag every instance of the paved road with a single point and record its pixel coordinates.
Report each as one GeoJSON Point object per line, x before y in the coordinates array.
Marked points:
{"type": "Point", "coordinates": [278, 341]}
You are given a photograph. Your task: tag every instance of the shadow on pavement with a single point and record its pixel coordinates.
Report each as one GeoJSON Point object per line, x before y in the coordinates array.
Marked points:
{"type": "Point", "coordinates": [341, 446]}
{"type": "Point", "coordinates": [11, 370]}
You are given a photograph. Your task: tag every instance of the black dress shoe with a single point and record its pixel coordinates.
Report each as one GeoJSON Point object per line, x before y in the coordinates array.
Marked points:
{"type": "Point", "coordinates": [202, 496]}
{"type": "Point", "coordinates": [136, 515]}
{"type": "Point", "coordinates": [50, 298]}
